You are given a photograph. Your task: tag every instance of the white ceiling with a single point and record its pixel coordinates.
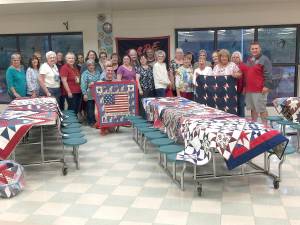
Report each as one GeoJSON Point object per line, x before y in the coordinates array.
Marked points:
{"type": "Point", "coordinates": [42, 6]}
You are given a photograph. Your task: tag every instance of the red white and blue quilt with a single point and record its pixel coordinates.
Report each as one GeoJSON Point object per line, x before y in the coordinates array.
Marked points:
{"type": "Point", "coordinates": [114, 101]}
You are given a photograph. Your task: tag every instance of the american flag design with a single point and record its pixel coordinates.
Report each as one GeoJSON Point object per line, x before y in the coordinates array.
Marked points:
{"type": "Point", "coordinates": [219, 92]}
{"type": "Point", "coordinates": [114, 101]}
{"type": "Point", "coordinates": [288, 107]}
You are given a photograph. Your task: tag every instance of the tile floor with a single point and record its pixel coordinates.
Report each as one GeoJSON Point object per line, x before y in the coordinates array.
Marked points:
{"type": "Point", "coordinates": [118, 184]}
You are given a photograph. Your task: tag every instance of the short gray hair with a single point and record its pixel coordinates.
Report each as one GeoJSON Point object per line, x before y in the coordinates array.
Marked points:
{"type": "Point", "coordinates": [49, 54]}
{"type": "Point", "coordinates": [70, 54]}
{"type": "Point", "coordinates": [237, 53]}
{"type": "Point", "coordinates": [15, 55]}
{"type": "Point", "coordinates": [179, 50]}
{"type": "Point", "coordinates": [160, 52]}
{"type": "Point", "coordinates": [202, 51]}
{"type": "Point", "coordinates": [90, 61]}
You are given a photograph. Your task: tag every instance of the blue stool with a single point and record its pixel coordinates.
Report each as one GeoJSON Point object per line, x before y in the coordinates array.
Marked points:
{"type": "Point", "coordinates": [70, 120]}
{"type": "Point", "coordinates": [150, 136]}
{"type": "Point", "coordinates": [75, 143]}
{"type": "Point", "coordinates": [70, 130]}
{"type": "Point", "coordinates": [274, 119]}
{"type": "Point", "coordinates": [73, 135]}
{"type": "Point", "coordinates": [161, 142]}
{"type": "Point", "coordinates": [71, 125]}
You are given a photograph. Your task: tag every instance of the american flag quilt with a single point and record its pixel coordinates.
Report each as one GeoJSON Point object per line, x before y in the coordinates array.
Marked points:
{"type": "Point", "coordinates": [17, 120]}
{"type": "Point", "coordinates": [219, 92]}
{"type": "Point", "coordinates": [204, 129]}
{"type": "Point", "coordinates": [288, 107]}
{"type": "Point", "coordinates": [115, 100]}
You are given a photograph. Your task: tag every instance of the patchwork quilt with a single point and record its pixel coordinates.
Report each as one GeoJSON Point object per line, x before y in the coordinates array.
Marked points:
{"type": "Point", "coordinates": [288, 107]}
{"type": "Point", "coordinates": [203, 129]}
{"type": "Point", "coordinates": [114, 101]}
{"type": "Point", "coordinates": [219, 92]}
{"type": "Point", "coordinates": [19, 117]}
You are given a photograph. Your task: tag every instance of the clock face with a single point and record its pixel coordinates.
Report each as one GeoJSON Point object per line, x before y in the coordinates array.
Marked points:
{"type": "Point", "coordinates": [107, 27]}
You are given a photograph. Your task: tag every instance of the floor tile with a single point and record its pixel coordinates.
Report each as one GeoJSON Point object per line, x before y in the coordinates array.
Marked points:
{"type": "Point", "coordinates": [77, 188]}
{"type": "Point", "coordinates": [206, 206]}
{"type": "Point", "coordinates": [171, 217]}
{"type": "Point", "coordinates": [70, 220]}
{"type": "Point", "coordinates": [269, 211]}
{"type": "Point", "coordinates": [268, 221]}
{"type": "Point", "coordinates": [52, 209]}
{"type": "Point", "coordinates": [237, 220]}
{"type": "Point", "coordinates": [140, 215]}
{"type": "Point", "coordinates": [110, 213]}
{"type": "Point", "coordinates": [204, 219]}
{"type": "Point", "coordinates": [91, 199]}
{"type": "Point", "coordinates": [118, 200]}
{"type": "Point", "coordinates": [239, 209]}
{"type": "Point", "coordinates": [81, 210]}
{"type": "Point", "coordinates": [147, 203]}
{"type": "Point", "coordinates": [127, 190]}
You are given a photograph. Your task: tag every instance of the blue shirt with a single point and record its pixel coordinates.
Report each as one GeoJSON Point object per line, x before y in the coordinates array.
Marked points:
{"type": "Point", "coordinates": [86, 79]}
{"type": "Point", "coordinates": [16, 79]}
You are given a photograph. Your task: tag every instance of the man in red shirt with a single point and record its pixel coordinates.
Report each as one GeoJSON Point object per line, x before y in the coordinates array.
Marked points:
{"type": "Point", "coordinates": [258, 82]}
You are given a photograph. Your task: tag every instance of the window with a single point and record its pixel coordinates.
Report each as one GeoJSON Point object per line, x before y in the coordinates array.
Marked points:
{"type": "Point", "coordinates": [283, 82]}
{"type": "Point", "coordinates": [31, 43]}
{"type": "Point", "coordinates": [67, 43]}
{"type": "Point", "coordinates": [236, 40]}
{"type": "Point", "coordinates": [27, 44]}
{"type": "Point", "coordinates": [193, 41]}
{"type": "Point", "coordinates": [279, 44]}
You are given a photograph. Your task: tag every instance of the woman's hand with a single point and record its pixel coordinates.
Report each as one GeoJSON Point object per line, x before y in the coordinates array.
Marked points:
{"type": "Point", "coordinates": [17, 95]}
{"type": "Point", "coordinates": [141, 92]}
{"type": "Point", "coordinates": [85, 98]}
{"type": "Point", "coordinates": [70, 95]}
{"type": "Point", "coordinates": [91, 84]}
{"type": "Point", "coordinates": [33, 95]}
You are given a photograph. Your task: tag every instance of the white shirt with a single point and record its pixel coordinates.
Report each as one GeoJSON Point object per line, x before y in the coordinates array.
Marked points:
{"type": "Point", "coordinates": [51, 75]}
{"type": "Point", "coordinates": [160, 75]}
{"type": "Point", "coordinates": [207, 71]}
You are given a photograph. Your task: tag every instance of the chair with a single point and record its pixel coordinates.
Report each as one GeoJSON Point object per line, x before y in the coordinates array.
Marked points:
{"type": "Point", "coordinates": [71, 125]}
{"type": "Point", "coordinates": [75, 143]}
{"type": "Point", "coordinates": [151, 135]}
{"type": "Point", "coordinates": [70, 120]}
{"type": "Point", "coordinates": [73, 135]}
{"type": "Point", "coordinates": [297, 128]}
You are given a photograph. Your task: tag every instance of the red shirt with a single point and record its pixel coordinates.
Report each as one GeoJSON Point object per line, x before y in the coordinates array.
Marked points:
{"type": "Point", "coordinates": [73, 77]}
{"type": "Point", "coordinates": [241, 81]}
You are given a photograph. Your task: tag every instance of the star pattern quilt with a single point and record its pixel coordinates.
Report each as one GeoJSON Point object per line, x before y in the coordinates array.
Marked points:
{"type": "Point", "coordinates": [219, 92]}
{"type": "Point", "coordinates": [288, 107]}
{"type": "Point", "coordinates": [18, 118]}
{"type": "Point", "coordinates": [204, 129]}
{"type": "Point", "coordinates": [114, 101]}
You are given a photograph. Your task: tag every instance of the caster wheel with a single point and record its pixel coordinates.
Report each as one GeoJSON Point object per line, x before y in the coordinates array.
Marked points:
{"type": "Point", "coordinates": [65, 171]}
{"type": "Point", "coordinates": [276, 184]}
{"type": "Point", "coordinates": [199, 190]}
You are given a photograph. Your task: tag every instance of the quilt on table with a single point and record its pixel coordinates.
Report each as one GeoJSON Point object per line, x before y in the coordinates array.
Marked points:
{"type": "Point", "coordinates": [203, 128]}
{"type": "Point", "coordinates": [115, 100]}
{"type": "Point", "coordinates": [14, 124]}
{"type": "Point", "coordinates": [288, 107]}
{"type": "Point", "coordinates": [219, 92]}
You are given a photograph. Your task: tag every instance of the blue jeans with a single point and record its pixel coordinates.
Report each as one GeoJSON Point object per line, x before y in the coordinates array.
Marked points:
{"type": "Point", "coordinates": [240, 105]}
{"type": "Point", "coordinates": [160, 92]}
{"type": "Point", "coordinates": [74, 102]}
{"type": "Point", "coordinates": [90, 112]}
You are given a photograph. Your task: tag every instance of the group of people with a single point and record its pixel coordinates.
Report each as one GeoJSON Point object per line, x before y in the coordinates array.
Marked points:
{"type": "Point", "coordinates": [69, 78]}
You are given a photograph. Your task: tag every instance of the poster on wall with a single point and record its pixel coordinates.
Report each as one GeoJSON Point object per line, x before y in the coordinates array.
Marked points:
{"type": "Point", "coordinates": [123, 45]}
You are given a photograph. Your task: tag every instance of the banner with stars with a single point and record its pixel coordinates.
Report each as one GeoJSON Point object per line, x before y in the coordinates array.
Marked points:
{"type": "Point", "coordinates": [219, 92]}
{"type": "Point", "coordinates": [114, 101]}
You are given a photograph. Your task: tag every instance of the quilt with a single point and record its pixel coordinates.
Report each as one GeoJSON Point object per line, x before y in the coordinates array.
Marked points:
{"type": "Point", "coordinates": [219, 92]}
{"type": "Point", "coordinates": [18, 119]}
{"type": "Point", "coordinates": [203, 129]}
{"type": "Point", "coordinates": [115, 101]}
{"type": "Point", "coordinates": [288, 107]}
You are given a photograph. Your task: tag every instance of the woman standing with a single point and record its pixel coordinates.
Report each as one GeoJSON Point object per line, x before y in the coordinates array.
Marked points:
{"type": "Point", "coordinates": [91, 55]}
{"type": "Point", "coordinates": [79, 61]}
{"type": "Point", "coordinates": [88, 77]}
{"type": "Point", "coordinates": [126, 71]}
{"type": "Point", "coordinates": [49, 77]}
{"type": "Point", "coordinates": [115, 62]}
{"type": "Point", "coordinates": [184, 78]}
{"type": "Point", "coordinates": [202, 69]}
{"type": "Point", "coordinates": [32, 76]}
{"type": "Point", "coordinates": [215, 59]}
{"type": "Point", "coordinates": [174, 65]}
{"type": "Point", "coordinates": [145, 82]}
{"type": "Point", "coordinates": [70, 77]}
{"type": "Point", "coordinates": [160, 74]}
{"type": "Point", "coordinates": [224, 66]}
{"type": "Point", "coordinates": [16, 78]}
{"type": "Point", "coordinates": [237, 58]}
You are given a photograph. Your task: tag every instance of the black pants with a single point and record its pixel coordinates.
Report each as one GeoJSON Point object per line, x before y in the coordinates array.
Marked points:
{"type": "Point", "coordinates": [74, 102]}
{"type": "Point", "coordinates": [90, 112]}
{"type": "Point", "coordinates": [146, 94]}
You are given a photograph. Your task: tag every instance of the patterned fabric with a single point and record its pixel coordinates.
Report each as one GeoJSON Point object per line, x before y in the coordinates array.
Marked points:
{"type": "Point", "coordinates": [288, 107]}
{"type": "Point", "coordinates": [218, 92]}
{"type": "Point", "coordinates": [19, 117]}
{"type": "Point", "coordinates": [11, 178]}
{"type": "Point", "coordinates": [146, 78]}
{"type": "Point", "coordinates": [174, 66]}
{"type": "Point", "coordinates": [184, 79]}
{"type": "Point", "coordinates": [203, 129]}
{"type": "Point", "coordinates": [115, 100]}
